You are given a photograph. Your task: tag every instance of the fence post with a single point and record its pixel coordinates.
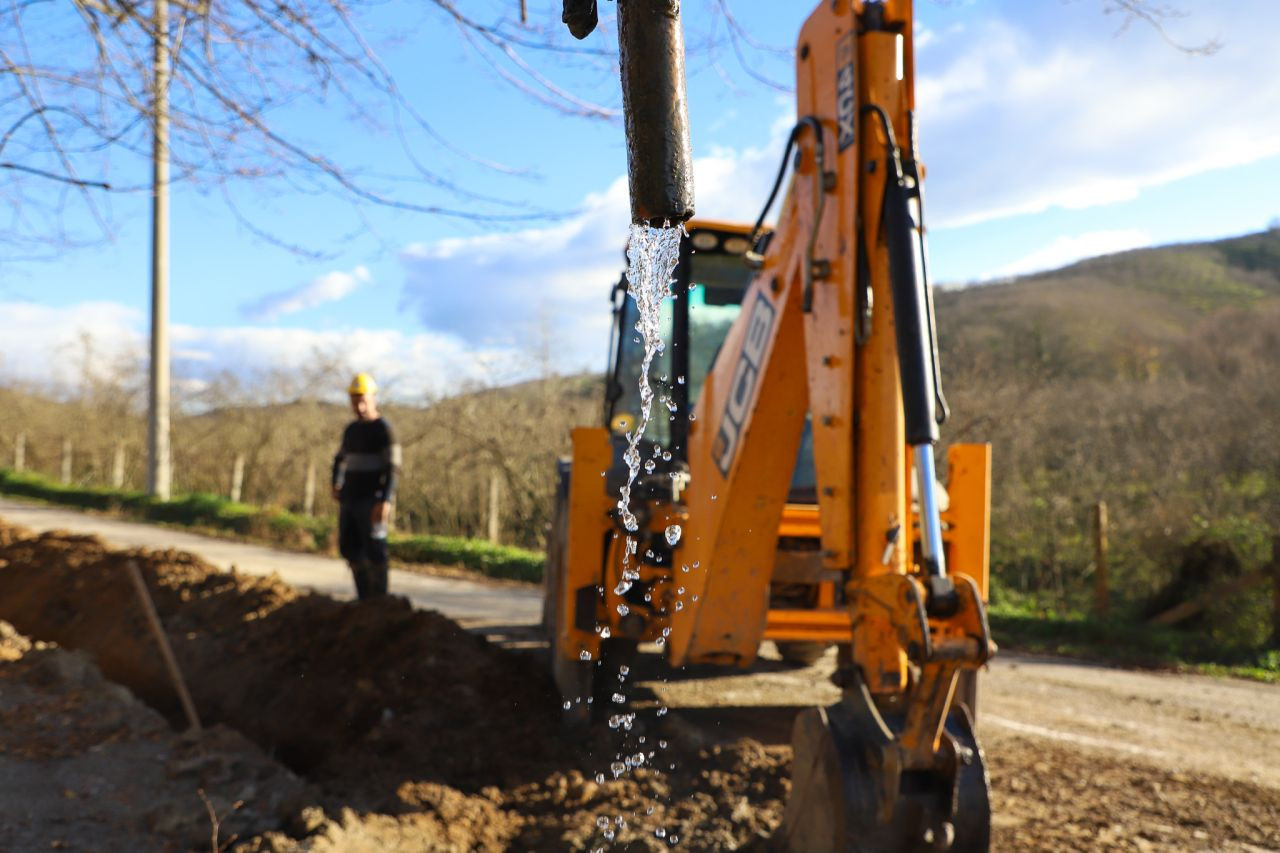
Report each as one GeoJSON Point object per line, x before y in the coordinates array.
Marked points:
{"type": "Point", "coordinates": [237, 477]}
{"type": "Point", "coordinates": [66, 461]}
{"type": "Point", "coordinates": [20, 451]}
{"type": "Point", "coordinates": [309, 489]}
{"type": "Point", "coordinates": [495, 520]}
{"type": "Point", "coordinates": [1275, 587]}
{"type": "Point", "coordinates": [117, 468]}
{"type": "Point", "coordinates": [1101, 590]}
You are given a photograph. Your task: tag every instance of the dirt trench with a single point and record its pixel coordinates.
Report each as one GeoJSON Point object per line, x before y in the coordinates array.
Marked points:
{"type": "Point", "coordinates": [412, 734]}
{"type": "Point", "coordinates": [407, 726]}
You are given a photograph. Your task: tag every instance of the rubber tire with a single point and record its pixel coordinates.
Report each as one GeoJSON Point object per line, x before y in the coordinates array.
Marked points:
{"type": "Point", "coordinates": [801, 653]}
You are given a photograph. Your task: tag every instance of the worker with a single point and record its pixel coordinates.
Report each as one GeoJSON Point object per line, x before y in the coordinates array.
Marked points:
{"type": "Point", "coordinates": [365, 471]}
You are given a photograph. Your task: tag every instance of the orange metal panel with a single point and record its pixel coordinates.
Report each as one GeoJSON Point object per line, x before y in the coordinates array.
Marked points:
{"type": "Point", "coordinates": [882, 520]}
{"type": "Point", "coordinates": [800, 521]}
{"type": "Point", "coordinates": [742, 450]}
{"type": "Point", "coordinates": [589, 524]}
{"type": "Point", "coordinates": [826, 69]}
{"type": "Point", "coordinates": [969, 517]}
{"type": "Point", "coordinates": [831, 626]}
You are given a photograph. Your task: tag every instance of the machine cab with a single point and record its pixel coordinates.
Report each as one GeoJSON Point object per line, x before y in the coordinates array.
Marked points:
{"type": "Point", "coordinates": [710, 281]}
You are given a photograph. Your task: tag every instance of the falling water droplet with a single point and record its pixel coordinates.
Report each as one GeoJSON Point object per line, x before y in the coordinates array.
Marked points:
{"type": "Point", "coordinates": [673, 534]}
{"type": "Point", "coordinates": [585, 655]}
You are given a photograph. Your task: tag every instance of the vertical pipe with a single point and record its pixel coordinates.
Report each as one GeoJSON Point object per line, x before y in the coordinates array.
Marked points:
{"type": "Point", "coordinates": [158, 468]}
{"type": "Point", "coordinates": [659, 157]}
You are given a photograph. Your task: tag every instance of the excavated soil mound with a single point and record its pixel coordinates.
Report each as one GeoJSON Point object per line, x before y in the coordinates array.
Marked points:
{"type": "Point", "coordinates": [84, 765]}
{"type": "Point", "coordinates": [332, 689]}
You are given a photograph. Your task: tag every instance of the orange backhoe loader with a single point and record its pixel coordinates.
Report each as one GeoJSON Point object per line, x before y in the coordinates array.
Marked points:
{"type": "Point", "coordinates": [804, 400]}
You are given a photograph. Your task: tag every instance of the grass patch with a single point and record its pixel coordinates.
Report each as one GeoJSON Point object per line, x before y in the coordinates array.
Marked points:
{"type": "Point", "coordinates": [1125, 642]}
{"type": "Point", "coordinates": [497, 561]}
{"type": "Point", "coordinates": [276, 526]}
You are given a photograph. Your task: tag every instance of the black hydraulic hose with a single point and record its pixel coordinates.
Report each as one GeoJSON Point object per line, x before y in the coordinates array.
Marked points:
{"type": "Point", "coordinates": [819, 149]}
{"type": "Point", "coordinates": [909, 289]}
{"type": "Point", "coordinates": [944, 411]}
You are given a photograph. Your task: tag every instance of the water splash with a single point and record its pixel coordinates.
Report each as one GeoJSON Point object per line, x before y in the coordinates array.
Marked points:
{"type": "Point", "coordinates": [652, 255]}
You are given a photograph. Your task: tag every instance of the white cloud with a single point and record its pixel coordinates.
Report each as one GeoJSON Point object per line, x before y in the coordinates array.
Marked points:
{"type": "Point", "coordinates": [57, 346]}
{"type": "Point", "coordinates": [1060, 110]}
{"type": "Point", "coordinates": [53, 347]}
{"type": "Point", "coordinates": [1069, 249]}
{"type": "Point", "coordinates": [329, 287]}
{"type": "Point", "coordinates": [497, 290]}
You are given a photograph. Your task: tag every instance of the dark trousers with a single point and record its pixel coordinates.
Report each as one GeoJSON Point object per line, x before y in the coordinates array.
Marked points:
{"type": "Point", "coordinates": [363, 547]}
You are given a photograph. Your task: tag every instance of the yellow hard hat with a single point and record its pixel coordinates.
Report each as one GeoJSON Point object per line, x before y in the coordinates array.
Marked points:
{"type": "Point", "coordinates": [362, 383]}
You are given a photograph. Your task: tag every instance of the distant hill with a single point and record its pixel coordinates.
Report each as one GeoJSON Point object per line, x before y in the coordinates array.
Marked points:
{"type": "Point", "coordinates": [1149, 379]}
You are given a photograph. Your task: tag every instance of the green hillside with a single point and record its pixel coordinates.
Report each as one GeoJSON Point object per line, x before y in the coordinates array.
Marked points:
{"type": "Point", "coordinates": [1149, 380]}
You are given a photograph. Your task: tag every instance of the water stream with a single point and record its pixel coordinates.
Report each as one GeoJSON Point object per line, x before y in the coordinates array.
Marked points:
{"type": "Point", "coordinates": [652, 255]}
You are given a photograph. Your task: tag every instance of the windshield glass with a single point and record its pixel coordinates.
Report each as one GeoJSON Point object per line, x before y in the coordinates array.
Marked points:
{"type": "Point", "coordinates": [630, 357]}
{"type": "Point", "coordinates": [717, 282]}
{"type": "Point", "coordinates": [716, 285]}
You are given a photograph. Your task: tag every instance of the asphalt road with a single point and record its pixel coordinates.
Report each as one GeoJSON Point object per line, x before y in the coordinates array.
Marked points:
{"type": "Point", "coordinates": [473, 604]}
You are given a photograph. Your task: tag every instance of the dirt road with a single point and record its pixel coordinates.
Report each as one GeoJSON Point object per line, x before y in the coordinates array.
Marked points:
{"type": "Point", "coordinates": [471, 604]}
{"type": "Point", "coordinates": [437, 740]}
{"type": "Point", "coordinates": [1183, 723]}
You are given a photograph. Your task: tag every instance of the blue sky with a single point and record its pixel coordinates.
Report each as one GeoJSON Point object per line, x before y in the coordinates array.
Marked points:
{"type": "Point", "coordinates": [1050, 133]}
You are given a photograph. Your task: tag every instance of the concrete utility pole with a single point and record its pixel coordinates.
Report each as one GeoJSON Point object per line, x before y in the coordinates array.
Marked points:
{"type": "Point", "coordinates": [159, 475]}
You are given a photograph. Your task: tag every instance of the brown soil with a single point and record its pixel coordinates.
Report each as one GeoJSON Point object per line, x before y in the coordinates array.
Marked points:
{"type": "Point", "coordinates": [416, 735]}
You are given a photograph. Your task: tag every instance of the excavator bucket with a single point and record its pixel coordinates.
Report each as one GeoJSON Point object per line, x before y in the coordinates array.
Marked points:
{"type": "Point", "coordinates": [850, 792]}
